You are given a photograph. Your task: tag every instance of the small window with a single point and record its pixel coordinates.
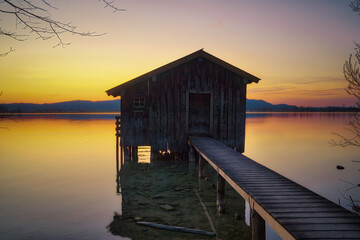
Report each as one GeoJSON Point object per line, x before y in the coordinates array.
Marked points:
{"type": "Point", "coordinates": [139, 103]}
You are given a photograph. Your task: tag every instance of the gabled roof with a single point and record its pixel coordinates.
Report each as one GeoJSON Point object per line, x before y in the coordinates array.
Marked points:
{"type": "Point", "coordinates": [200, 53]}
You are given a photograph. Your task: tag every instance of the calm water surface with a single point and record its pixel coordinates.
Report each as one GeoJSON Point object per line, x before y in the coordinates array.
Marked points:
{"type": "Point", "coordinates": [57, 173]}
{"type": "Point", "coordinates": [297, 146]}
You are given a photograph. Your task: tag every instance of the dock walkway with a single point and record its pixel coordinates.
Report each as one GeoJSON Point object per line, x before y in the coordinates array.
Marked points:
{"type": "Point", "coordinates": [292, 210]}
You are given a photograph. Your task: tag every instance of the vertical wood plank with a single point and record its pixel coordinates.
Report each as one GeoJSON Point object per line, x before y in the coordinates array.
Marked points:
{"type": "Point", "coordinates": [242, 115]}
{"type": "Point", "coordinates": [211, 130]}
{"type": "Point", "coordinates": [233, 124]}
{"type": "Point", "coordinates": [187, 113]}
{"type": "Point", "coordinates": [239, 146]}
{"type": "Point", "coordinates": [163, 116]}
{"type": "Point", "coordinates": [221, 138]}
{"type": "Point", "coordinates": [117, 155]}
{"type": "Point", "coordinates": [216, 102]}
{"type": "Point", "coordinates": [229, 112]}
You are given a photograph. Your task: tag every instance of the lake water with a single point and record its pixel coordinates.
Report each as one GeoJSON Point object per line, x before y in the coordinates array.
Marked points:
{"type": "Point", "coordinates": [58, 179]}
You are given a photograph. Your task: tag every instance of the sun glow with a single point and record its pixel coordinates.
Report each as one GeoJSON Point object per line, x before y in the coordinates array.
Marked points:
{"type": "Point", "coordinates": [297, 51]}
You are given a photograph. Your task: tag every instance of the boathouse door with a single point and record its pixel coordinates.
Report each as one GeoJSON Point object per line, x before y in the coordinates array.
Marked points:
{"type": "Point", "coordinates": [199, 114]}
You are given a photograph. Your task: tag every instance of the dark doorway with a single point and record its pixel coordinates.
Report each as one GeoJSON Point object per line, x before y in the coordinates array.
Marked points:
{"type": "Point", "coordinates": [199, 113]}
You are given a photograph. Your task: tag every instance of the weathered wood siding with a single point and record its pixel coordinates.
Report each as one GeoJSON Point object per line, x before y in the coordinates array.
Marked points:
{"type": "Point", "coordinates": [163, 123]}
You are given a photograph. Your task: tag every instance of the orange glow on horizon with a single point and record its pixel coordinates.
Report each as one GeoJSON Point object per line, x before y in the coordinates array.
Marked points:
{"type": "Point", "coordinates": [297, 49]}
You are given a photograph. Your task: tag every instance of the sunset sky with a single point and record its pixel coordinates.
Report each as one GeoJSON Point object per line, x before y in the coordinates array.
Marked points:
{"type": "Point", "coordinates": [297, 48]}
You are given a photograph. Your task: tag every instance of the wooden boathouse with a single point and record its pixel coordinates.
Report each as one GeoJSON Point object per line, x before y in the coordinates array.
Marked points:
{"type": "Point", "coordinates": [198, 103]}
{"type": "Point", "coordinates": [198, 94]}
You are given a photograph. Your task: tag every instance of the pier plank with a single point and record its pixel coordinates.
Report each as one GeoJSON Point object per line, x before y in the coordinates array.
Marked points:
{"type": "Point", "coordinates": [327, 234]}
{"type": "Point", "coordinates": [324, 227]}
{"type": "Point", "coordinates": [292, 210]}
{"type": "Point", "coordinates": [311, 209]}
{"type": "Point", "coordinates": [291, 205]}
{"type": "Point", "coordinates": [315, 220]}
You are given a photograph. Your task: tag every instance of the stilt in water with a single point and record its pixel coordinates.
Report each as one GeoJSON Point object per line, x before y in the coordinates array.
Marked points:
{"type": "Point", "coordinates": [191, 154]}
{"type": "Point", "coordinates": [121, 157]}
{"type": "Point", "coordinates": [117, 135]}
{"type": "Point", "coordinates": [127, 156]}
{"type": "Point", "coordinates": [134, 154]}
{"type": "Point", "coordinates": [201, 167]}
{"type": "Point", "coordinates": [220, 197]}
{"type": "Point", "coordinates": [117, 155]}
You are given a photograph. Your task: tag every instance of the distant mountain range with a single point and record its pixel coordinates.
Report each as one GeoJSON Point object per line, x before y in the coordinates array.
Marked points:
{"type": "Point", "coordinates": [78, 106]}
{"type": "Point", "coordinates": [261, 106]}
{"type": "Point", "coordinates": [62, 107]}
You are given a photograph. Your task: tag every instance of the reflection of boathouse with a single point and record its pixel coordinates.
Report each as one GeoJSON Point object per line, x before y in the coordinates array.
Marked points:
{"type": "Point", "coordinates": [198, 94]}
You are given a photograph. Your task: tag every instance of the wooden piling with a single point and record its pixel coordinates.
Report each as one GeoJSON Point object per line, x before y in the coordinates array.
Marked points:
{"type": "Point", "coordinates": [134, 154]}
{"type": "Point", "coordinates": [121, 157]}
{"type": "Point", "coordinates": [201, 169]}
{"type": "Point", "coordinates": [257, 226]}
{"type": "Point", "coordinates": [127, 156]}
{"type": "Point", "coordinates": [118, 184]}
{"type": "Point", "coordinates": [191, 154]}
{"type": "Point", "coordinates": [220, 197]}
{"type": "Point", "coordinates": [117, 155]}
{"type": "Point", "coordinates": [117, 135]}
{"type": "Point", "coordinates": [152, 156]}
{"type": "Point", "coordinates": [131, 153]}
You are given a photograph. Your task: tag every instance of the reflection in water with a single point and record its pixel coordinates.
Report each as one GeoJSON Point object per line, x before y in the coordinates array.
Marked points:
{"type": "Point", "coordinates": [163, 192]}
{"type": "Point", "coordinates": [57, 178]}
{"type": "Point", "coordinates": [68, 163]}
{"type": "Point", "coordinates": [297, 146]}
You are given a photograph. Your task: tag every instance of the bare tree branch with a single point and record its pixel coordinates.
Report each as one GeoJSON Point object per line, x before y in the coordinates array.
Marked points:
{"type": "Point", "coordinates": [355, 5]}
{"type": "Point", "coordinates": [112, 6]}
{"type": "Point", "coordinates": [351, 71]}
{"type": "Point", "coordinates": [33, 16]}
{"type": "Point", "coordinates": [352, 74]}
{"type": "Point", "coordinates": [5, 54]}
{"type": "Point", "coordinates": [13, 35]}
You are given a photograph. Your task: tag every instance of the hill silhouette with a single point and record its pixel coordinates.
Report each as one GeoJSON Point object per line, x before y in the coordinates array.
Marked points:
{"type": "Point", "coordinates": [80, 106]}
{"type": "Point", "coordinates": [62, 107]}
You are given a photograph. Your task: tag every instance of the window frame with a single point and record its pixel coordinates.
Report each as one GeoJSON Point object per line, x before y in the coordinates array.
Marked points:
{"type": "Point", "coordinates": [139, 103]}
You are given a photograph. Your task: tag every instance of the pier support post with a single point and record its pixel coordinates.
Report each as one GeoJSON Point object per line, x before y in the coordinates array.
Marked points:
{"type": "Point", "coordinates": [118, 185]}
{"type": "Point", "coordinates": [121, 157]}
{"type": "Point", "coordinates": [220, 197]}
{"type": "Point", "coordinates": [127, 156]}
{"type": "Point", "coordinates": [191, 153]}
{"type": "Point", "coordinates": [117, 135]}
{"type": "Point", "coordinates": [117, 156]}
{"type": "Point", "coordinates": [201, 167]}
{"type": "Point", "coordinates": [258, 226]}
{"type": "Point", "coordinates": [134, 154]}
{"type": "Point", "coordinates": [152, 156]}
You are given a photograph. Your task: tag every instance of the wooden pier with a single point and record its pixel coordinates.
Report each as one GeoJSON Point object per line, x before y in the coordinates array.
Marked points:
{"type": "Point", "coordinates": [292, 210]}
